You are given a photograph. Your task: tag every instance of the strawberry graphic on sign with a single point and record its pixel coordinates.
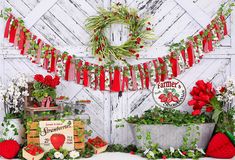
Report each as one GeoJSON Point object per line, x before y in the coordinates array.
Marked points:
{"type": "Point", "coordinates": [169, 93]}
{"type": "Point", "coordinates": [169, 97]}
{"type": "Point", "coordinates": [57, 140]}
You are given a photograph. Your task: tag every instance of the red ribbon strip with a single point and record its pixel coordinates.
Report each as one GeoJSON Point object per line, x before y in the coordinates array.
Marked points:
{"type": "Point", "coordinates": [102, 78]}
{"type": "Point", "coordinates": [7, 28]}
{"type": "Point", "coordinates": [225, 25]}
{"type": "Point", "coordinates": [53, 60]}
{"type": "Point", "coordinates": [67, 68]}
{"type": "Point", "coordinates": [13, 31]}
{"type": "Point", "coordinates": [46, 60]}
{"type": "Point", "coordinates": [78, 71]}
{"type": "Point", "coordinates": [209, 39]}
{"type": "Point", "coordinates": [147, 75]}
{"type": "Point", "coordinates": [39, 50]}
{"type": "Point", "coordinates": [116, 80]}
{"type": "Point", "coordinates": [71, 73]}
{"type": "Point", "coordinates": [124, 80]}
{"type": "Point", "coordinates": [22, 40]}
{"type": "Point", "coordinates": [96, 77]}
{"type": "Point", "coordinates": [204, 42]}
{"type": "Point", "coordinates": [174, 65]}
{"type": "Point", "coordinates": [163, 68]}
{"type": "Point", "coordinates": [133, 78]}
{"type": "Point", "coordinates": [190, 52]}
{"type": "Point", "coordinates": [217, 30]}
{"type": "Point", "coordinates": [157, 79]}
{"type": "Point", "coordinates": [85, 75]}
{"type": "Point", "coordinates": [141, 76]}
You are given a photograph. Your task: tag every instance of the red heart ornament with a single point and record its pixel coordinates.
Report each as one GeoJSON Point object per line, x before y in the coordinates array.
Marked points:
{"type": "Point", "coordinates": [57, 140]}
{"type": "Point", "coordinates": [220, 147]}
{"type": "Point", "coordinates": [9, 149]}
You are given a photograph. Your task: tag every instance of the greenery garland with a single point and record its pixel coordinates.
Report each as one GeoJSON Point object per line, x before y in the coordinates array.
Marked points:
{"type": "Point", "coordinates": [139, 32]}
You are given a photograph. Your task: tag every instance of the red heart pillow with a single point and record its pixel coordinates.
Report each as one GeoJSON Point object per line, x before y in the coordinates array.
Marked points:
{"type": "Point", "coordinates": [9, 149]}
{"type": "Point", "coordinates": [220, 147]}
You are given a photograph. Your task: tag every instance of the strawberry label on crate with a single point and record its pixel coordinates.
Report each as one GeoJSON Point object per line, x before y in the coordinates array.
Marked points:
{"type": "Point", "coordinates": [169, 93]}
{"type": "Point", "coordinates": [56, 135]}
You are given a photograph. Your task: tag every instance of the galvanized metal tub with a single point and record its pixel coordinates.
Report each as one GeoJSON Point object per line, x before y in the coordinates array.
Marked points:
{"type": "Point", "coordinates": [168, 135]}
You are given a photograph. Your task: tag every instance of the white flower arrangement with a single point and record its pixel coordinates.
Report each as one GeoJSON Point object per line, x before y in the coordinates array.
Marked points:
{"type": "Point", "coordinates": [226, 93]}
{"type": "Point", "coordinates": [13, 95]}
{"type": "Point", "coordinates": [74, 154]}
{"type": "Point", "coordinates": [58, 155]}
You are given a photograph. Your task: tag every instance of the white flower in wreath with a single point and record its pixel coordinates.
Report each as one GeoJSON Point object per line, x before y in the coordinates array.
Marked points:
{"type": "Point", "coordinates": [57, 154]}
{"type": "Point", "coordinates": [74, 154]}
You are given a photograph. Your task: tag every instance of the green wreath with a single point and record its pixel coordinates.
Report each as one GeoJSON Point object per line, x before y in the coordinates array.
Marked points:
{"type": "Point", "coordinates": [139, 28]}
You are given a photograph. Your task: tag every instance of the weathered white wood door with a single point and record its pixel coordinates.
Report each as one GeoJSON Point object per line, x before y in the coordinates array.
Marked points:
{"type": "Point", "coordinates": [61, 23]}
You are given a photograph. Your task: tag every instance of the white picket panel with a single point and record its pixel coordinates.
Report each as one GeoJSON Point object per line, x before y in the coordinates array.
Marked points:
{"type": "Point", "coordinates": [62, 24]}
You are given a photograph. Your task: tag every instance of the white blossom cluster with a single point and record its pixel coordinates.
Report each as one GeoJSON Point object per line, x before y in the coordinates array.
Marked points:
{"type": "Point", "coordinates": [73, 154]}
{"type": "Point", "coordinates": [13, 95]}
{"type": "Point", "coordinates": [226, 93]}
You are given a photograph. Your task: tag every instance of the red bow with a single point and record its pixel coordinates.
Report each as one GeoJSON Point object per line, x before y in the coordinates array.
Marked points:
{"type": "Point", "coordinates": [202, 94]}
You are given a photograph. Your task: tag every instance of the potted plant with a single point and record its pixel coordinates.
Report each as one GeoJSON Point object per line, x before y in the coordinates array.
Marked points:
{"type": "Point", "coordinates": [171, 128]}
{"type": "Point", "coordinates": [45, 90]}
{"type": "Point", "coordinates": [12, 97]}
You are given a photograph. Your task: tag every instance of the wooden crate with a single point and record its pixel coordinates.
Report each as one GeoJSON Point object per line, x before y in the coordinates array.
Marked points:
{"type": "Point", "coordinates": [79, 134]}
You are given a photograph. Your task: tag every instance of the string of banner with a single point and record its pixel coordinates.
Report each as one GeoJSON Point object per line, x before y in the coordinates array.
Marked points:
{"type": "Point", "coordinates": [182, 56]}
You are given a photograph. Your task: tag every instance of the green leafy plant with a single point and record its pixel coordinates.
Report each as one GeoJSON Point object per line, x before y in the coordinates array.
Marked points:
{"type": "Point", "coordinates": [168, 116]}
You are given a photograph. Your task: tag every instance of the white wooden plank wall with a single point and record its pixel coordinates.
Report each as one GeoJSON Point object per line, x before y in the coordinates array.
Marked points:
{"type": "Point", "coordinates": [62, 25]}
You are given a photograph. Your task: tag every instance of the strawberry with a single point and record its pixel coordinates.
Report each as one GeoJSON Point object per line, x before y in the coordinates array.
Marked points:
{"type": "Point", "coordinates": [170, 94]}
{"type": "Point", "coordinates": [169, 100]}
{"type": "Point", "coordinates": [175, 99]}
{"type": "Point", "coordinates": [57, 140]}
{"type": "Point", "coordinates": [9, 149]}
{"type": "Point", "coordinates": [161, 96]}
{"type": "Point", "coordinates": [164, 99]}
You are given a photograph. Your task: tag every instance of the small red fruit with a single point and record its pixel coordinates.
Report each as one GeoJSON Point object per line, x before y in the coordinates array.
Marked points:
{"type": "Point", "coordinates": [175, 99]}
{"type": "Point", "coordinates": [57, 140]}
